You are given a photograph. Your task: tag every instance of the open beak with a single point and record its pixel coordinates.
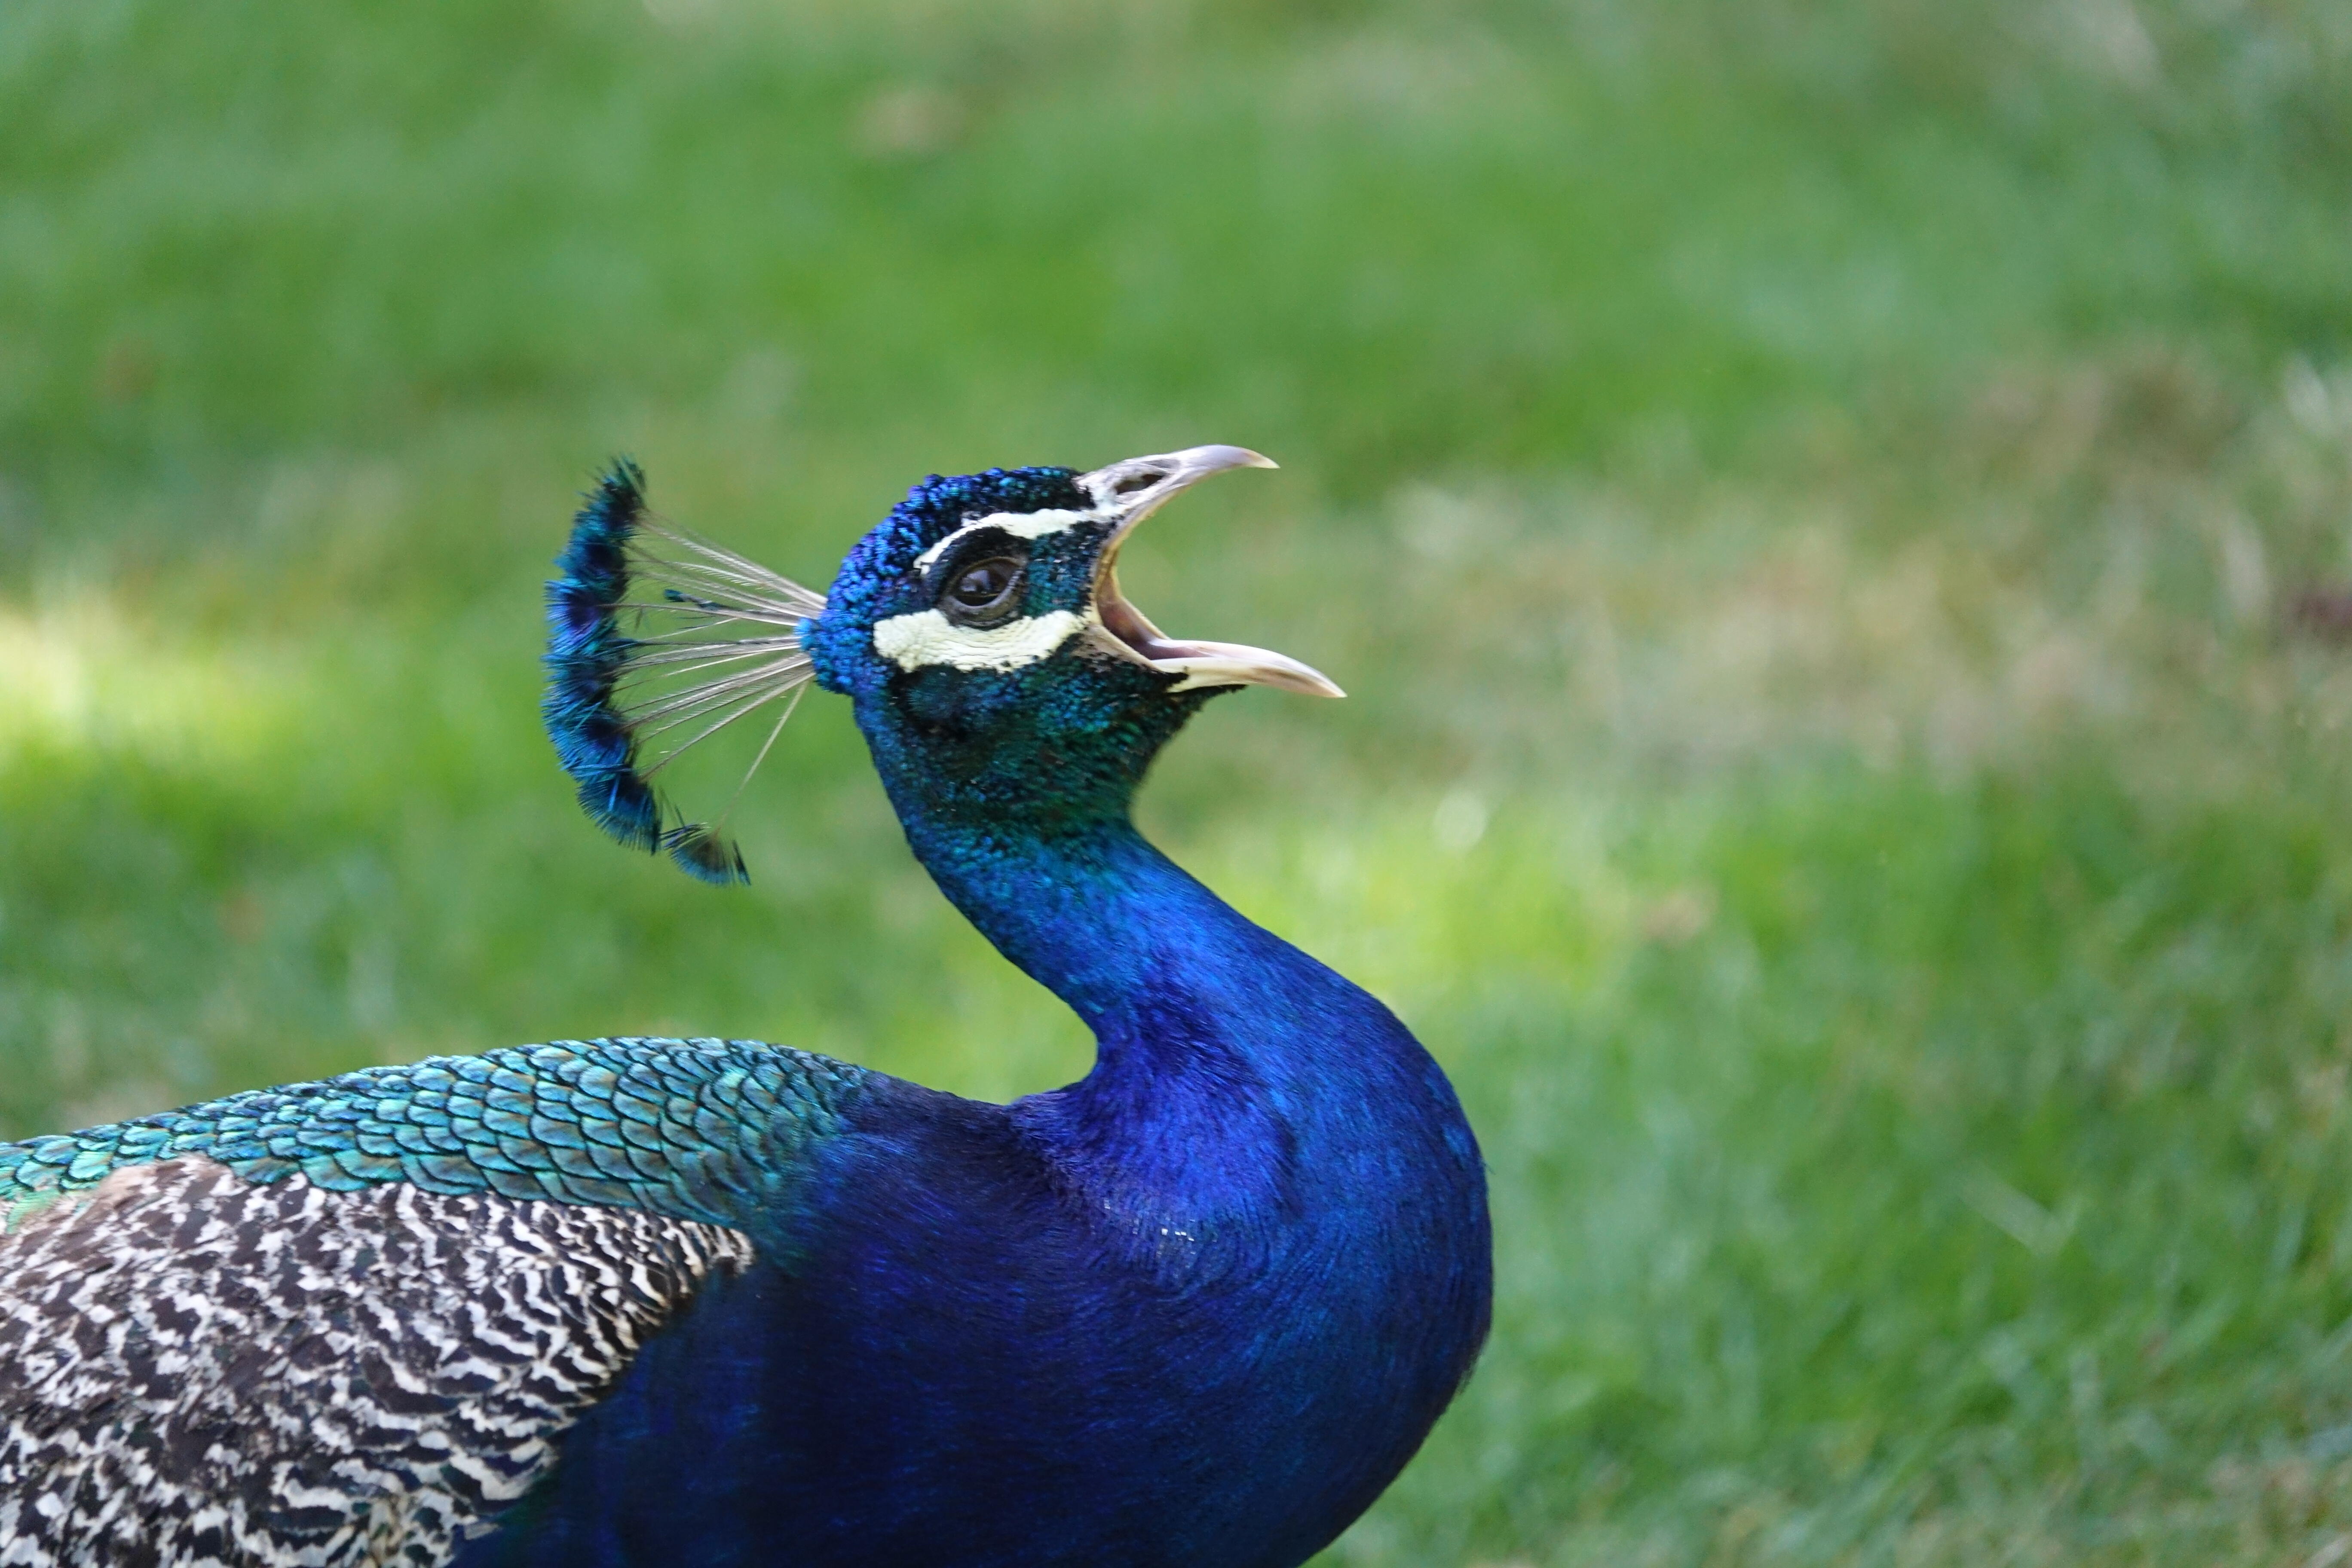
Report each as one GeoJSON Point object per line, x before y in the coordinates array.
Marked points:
{"type": "Point", "coordinates": [1133, 490]}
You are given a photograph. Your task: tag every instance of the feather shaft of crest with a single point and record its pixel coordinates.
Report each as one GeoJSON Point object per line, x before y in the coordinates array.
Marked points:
{"type": "Point", "coordinates": [701, 851]}
{"type": "Point", "coordinates": [743, 707]}
{"type": "Point", "coordinates": [750, 571]}
{"type": "Point", "coordinates": [701, 694]}
{"type": "Point", "coordinates": [690, 611]}
{"type": "Point", "coordinates": [693, 609]}
{"type": "Point", "coordinates": [688, 628]}
{"type": "Point", "coordinates": [695, 655]}
{"type": "Point", "coordinates": [710, 577]}
{"type": "Point", "coordinates": [624, 672]}
{"type": "Point", "coordinates": [767, 745]}
{"type": "Point", "coordinates": [725, 568]}
{"type": "Point", "coordinates": [654, 718]}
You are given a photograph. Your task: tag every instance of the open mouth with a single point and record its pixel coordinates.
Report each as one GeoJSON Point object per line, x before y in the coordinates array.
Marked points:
{"type": "Point", "coordinates": [1133, 490]}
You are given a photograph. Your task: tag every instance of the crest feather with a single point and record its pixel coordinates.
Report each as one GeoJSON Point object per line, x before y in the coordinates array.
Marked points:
{"type": "Point", "coordinates": [634, 682]}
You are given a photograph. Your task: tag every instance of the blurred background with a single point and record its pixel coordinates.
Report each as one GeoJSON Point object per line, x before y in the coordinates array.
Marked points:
{"type": "Point", "coordinates": [1836, 518]}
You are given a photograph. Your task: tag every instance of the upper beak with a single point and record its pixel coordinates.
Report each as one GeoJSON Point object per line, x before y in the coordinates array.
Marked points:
{"type": "Point", "coordinates": [1133, 490]}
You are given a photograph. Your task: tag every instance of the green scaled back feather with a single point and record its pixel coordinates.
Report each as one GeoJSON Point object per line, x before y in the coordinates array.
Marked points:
{"type": "Point", "coordinates": [708, 1129]}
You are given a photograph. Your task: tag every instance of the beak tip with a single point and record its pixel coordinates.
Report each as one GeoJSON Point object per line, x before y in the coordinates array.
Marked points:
{"type": "Point", "coordinates": [1205, 460]}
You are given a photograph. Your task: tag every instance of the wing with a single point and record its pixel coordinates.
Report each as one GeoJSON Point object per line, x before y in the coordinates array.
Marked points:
{"type": "Point", "coordinates": [196, 1369]}
{"type": "Point", "coordinates": [347, 1322]}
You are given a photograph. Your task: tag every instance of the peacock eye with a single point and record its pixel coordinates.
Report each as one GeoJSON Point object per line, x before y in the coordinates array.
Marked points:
{"type": "Point", "coordinates": [983, 589]}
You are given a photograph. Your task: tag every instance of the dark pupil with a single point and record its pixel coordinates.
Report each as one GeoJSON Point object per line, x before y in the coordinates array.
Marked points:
{"type": "Point", "coordinates": [984, 584]}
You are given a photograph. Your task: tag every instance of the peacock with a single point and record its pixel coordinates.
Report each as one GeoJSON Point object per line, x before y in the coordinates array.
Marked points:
{"type": "Point", "coordinates": [716, 1301]}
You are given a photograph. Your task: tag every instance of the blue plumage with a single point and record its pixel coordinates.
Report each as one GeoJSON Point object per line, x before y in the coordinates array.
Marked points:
{"type": "Point", "coordinates": [614, 685]}
{"type": "Point", "coordinates": [1194, 1309]}
{"type": "Point", "coordinates": [587, 653]}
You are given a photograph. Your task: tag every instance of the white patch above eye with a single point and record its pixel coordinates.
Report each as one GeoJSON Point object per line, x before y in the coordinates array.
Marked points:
{"type": "Point", "coordinates": [928, 637]}
{"type": "Point", "coordinates": [1019, 524]}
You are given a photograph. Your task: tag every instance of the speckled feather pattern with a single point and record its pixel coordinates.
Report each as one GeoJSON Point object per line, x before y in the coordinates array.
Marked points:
{"type": "Point", "coordinates": [195, 1370]}
{"type": "Point", "coordinates": [714, 1130]}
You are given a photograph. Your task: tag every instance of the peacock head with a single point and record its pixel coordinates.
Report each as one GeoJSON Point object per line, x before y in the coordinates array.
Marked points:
{"type": "Point", "coordinates": [997, 671]}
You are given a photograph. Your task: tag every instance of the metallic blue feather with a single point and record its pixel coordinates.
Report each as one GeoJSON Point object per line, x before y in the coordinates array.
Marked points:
{"type": "Point", "coordinates": [586, 653]}
{"type": "Point", "coordinates": [613, 688]}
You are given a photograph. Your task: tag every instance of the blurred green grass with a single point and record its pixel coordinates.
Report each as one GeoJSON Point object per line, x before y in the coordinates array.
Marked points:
{"type": "Point", "coordinates": [1811, 502]}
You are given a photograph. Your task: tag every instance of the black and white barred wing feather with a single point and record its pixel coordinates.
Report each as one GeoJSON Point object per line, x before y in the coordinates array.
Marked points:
{"type": "Point", "coordinates": [198, 1370]}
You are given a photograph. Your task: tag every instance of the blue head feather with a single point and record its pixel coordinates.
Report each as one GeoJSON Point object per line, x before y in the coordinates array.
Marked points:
{"type": "Point", "coordinates": [1063, 740]}
{"type": "Point", "coordinates": [878, 579]}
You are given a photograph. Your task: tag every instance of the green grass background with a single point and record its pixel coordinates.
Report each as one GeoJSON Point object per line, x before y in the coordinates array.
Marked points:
{"type": "Point", "coordinates": [1809, 500]}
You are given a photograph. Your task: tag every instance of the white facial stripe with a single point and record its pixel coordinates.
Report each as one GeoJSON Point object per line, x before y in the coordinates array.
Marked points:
{"type": "Point", "coordinates": [927, 637]}
{"type": "Point", "coordinates": [1019, 524]}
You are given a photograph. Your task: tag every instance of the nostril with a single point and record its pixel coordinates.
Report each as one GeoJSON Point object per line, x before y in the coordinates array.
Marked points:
{"type": "Point", "coordinates": [1129, 484]}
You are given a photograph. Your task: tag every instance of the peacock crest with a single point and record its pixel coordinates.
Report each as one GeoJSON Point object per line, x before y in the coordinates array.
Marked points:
{"type": "Point", "coordinates": [658, 640]}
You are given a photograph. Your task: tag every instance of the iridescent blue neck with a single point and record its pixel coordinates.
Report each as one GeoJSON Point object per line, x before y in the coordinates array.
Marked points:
{"type": "Point", "coordinates": [1091, 911]}
{"type": "Point", "coordinates": [1235, 1079]}
{"type": "Point", "coordinates": [1028, 832]}
{"type": "Point", "coordinates": [1204, 1082]}
{"type": "Point", "coordinates": [1202, 1066]}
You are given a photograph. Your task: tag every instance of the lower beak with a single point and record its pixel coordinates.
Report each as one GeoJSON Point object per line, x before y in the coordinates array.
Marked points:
{"type": "Point", "coordinates": [1134, 490]}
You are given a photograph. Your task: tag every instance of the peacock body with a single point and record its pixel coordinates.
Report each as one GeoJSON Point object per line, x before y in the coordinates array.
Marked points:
{"type": "Point", "coordinates": [636, 1301]}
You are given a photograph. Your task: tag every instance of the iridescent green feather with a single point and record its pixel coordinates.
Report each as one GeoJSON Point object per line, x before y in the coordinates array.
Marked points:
{"type": "Point", "coordinates": [716, 1131]}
